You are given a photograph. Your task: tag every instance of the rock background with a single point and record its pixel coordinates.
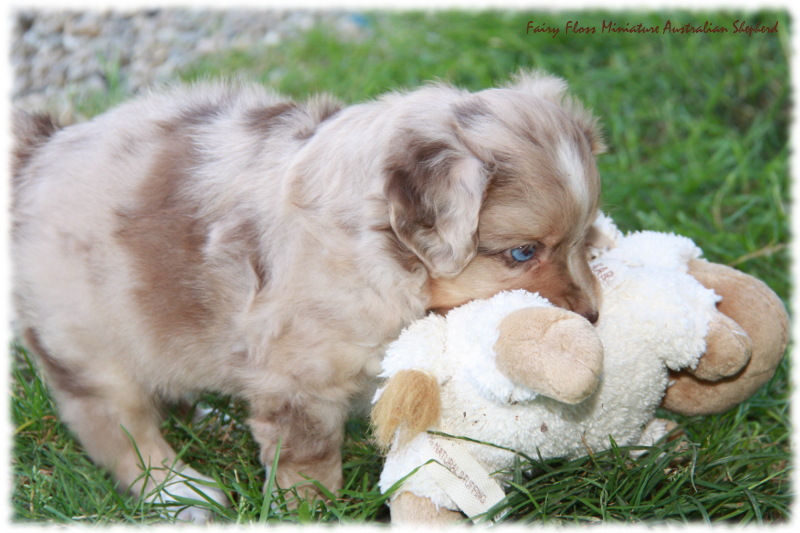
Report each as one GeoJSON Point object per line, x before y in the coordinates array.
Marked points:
{"type": "Point", "coordinates": [57, 56]}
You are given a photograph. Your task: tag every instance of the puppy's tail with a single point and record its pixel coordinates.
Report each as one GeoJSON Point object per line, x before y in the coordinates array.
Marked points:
{"type": "Point", "coordinates": [29, 131]}
{"type": "Point", "coordinates": [410, 403]}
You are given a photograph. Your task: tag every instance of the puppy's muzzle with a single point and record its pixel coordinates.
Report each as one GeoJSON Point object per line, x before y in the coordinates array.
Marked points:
{"type": "Point", "coordinates": [578, 301]}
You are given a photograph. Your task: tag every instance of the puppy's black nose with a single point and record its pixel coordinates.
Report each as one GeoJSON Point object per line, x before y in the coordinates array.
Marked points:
{"type": "Point", "coordinates": [591, 316]}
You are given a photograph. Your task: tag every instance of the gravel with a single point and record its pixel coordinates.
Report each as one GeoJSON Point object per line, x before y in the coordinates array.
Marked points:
{"type": "Point", "coordinates": [59, 56]}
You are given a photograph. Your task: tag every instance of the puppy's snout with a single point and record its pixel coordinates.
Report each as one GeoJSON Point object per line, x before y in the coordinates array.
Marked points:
{"type": "Point", "coordinates": [590, 315]}
{"type": "Point", "coordinates": [580, 304]}
{"type": "Point", "coordinates": [582, 294]}
{"type": "Point", "coordinates": [576, 300]}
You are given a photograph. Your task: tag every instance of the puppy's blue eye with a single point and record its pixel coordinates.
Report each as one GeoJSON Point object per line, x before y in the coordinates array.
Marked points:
{"type": "Point", "coordinates": [523, 253]}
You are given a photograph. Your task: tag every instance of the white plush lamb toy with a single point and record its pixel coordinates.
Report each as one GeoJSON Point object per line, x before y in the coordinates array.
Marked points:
{"type": "Point", "coordinates": [523, 375]}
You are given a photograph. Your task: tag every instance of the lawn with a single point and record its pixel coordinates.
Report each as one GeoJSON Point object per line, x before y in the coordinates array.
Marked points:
{"type": "Point", "coordinates": [697, 126]}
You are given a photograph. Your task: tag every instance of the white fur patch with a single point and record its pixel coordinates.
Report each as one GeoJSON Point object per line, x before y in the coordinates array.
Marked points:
{"type": "Point", "coordinates": [569, 162]}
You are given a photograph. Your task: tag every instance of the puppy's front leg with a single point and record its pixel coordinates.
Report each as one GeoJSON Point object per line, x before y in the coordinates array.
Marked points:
{"type": "Point", "coordinates": [300, 379]}
{"type": "Point", "coordinates": [310, 431]}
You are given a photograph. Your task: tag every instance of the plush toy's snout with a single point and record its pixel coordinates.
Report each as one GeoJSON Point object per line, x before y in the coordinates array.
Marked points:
{"type": "Point", "coordinates": [552, 351]}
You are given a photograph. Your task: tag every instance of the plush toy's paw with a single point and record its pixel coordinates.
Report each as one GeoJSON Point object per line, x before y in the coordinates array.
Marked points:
{"type": "Point", "coordinates": [758, 311]}
{"type": "Point", "coordinates": [551, 351]}
{"type": "Point", "coordinates": [728, 350]}
{"type": "Point", "coordinates": [409, 509]}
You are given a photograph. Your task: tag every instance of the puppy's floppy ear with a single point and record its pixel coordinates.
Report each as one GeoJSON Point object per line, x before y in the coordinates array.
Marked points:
{"type": "Point", "coordinates": [554, 89]}
{"type": "Point", "coordinates": [435, 190]}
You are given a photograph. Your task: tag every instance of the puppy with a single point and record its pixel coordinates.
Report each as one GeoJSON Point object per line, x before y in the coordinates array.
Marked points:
{"type": "Point", "coordinates": [223, 238]}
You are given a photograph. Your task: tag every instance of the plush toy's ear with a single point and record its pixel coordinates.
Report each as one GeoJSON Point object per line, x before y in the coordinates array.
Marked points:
{"type": "Point", "coordinates": [603, 234]}
{"type": "Point", "coordinates": [554, 89]}
{"type": "Point", "coordinates": [409, 403]}
{"type": "Point", "coordinates": [435, 191]}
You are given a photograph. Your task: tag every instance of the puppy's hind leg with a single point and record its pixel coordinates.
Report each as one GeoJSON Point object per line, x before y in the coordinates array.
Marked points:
{"type": "Point", "coordinates": [117, 423]}
{"type": "Point", "coordinates": [123, 435]}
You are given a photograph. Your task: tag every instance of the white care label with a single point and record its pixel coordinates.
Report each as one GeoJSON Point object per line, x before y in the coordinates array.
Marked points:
{"type": "Point", "coordinates": [462, 477]}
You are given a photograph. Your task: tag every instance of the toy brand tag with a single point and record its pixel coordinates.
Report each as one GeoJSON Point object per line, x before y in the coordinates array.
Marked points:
{"type": "Point", "coordinates": [605, 274]}
{"type": "Point", "coordinates": [460, 475]}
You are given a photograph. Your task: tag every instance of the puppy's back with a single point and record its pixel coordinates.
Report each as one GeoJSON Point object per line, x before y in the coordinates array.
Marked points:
{"type": "Point", "coordinates": [30, 131]}
{"type": "Point", "coordinates": [80, 192]}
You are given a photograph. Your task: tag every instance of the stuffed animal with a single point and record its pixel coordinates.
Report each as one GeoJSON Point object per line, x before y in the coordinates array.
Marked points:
{"type": "Point", "coordinates": [515, 374]}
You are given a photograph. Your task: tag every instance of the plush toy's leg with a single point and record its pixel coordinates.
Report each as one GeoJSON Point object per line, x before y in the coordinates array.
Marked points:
{"type": "Point", "coordinates": [660, 428]}
{"type": "Point", "coordinates": [657, 429]}
{"type": "Point", "coordinates": [760, 313]}
{"type": "Point", "coordinates": [408, 508]}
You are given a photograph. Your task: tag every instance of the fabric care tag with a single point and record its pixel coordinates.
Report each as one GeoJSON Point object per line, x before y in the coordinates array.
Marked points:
{"type": "Point", "coordinates": [462, 477]}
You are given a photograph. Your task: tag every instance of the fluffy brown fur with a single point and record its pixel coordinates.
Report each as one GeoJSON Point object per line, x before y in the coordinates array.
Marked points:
{"type": "Point", "coordinates": [224, 238]}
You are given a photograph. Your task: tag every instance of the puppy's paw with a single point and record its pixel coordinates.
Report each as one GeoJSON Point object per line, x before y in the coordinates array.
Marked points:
{"type": "Point", "coordinates": [194, 515]}
{"type": "Point", "coordinates": [187, 496]}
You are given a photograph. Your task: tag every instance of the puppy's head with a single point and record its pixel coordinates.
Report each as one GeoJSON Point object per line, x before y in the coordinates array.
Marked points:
{"type": "Point", "coordinates": [497, 190]}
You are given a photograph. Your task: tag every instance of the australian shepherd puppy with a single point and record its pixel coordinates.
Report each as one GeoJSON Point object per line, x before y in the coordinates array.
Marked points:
{"type": "Point", "coordinates": [223, 238]}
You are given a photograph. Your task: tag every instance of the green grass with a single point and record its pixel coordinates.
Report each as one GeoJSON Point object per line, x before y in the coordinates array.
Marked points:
{"type": "Point", "coordinates": [697, 127]}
